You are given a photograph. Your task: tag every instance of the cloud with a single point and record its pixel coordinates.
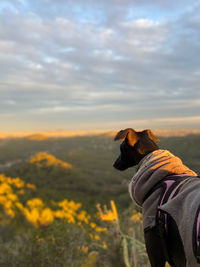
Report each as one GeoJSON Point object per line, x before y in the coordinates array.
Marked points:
{"type": "Point", "coordinates": [62, 62]}
{"type": "Point", "coordinates": [167, 122]}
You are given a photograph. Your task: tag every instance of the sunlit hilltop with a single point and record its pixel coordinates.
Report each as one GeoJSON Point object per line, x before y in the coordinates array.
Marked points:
{"type": "Point", "coordinates": [45, 135]}
{"type": "Point", "coordinates": [45, 159]}
{"type": "Point", "coordinates": [59, 134]}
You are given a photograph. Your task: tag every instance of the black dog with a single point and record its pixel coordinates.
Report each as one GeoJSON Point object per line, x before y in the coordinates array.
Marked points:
{"type": "Point", "coordinates": [163, 240]}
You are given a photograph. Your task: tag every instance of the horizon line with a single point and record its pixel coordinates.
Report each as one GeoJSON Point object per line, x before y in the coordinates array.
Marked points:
{"type": "Point", "coordinates": [73, 133]}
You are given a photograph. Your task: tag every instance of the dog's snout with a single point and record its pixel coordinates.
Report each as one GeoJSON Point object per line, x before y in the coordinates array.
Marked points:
{"type": "Point", "coordinates": [120, 165]}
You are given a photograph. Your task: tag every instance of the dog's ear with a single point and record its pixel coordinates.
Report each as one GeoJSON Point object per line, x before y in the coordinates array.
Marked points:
{"type": "Point", "coordinates": [151, 135]}
{"type": "Point", "coordinates": [129, 134]}
{"type": "Point", "coordinates": [146, 144]}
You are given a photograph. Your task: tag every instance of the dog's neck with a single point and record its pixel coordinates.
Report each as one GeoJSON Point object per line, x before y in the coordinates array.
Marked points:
{"type": "Point", "coordinates": [142, 153]}
{"type": "Point", "coordinates": [154, 168]}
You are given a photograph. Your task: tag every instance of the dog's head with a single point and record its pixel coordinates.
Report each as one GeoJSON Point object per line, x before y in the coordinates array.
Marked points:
{"type": "Point", "coordinates": [134, 147]}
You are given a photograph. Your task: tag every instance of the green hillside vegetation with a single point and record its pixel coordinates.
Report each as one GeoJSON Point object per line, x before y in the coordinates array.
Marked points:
{"type": "Point", "coordinates": [49, 189]}
{"type": "Point", "coordinates": [91, 177]}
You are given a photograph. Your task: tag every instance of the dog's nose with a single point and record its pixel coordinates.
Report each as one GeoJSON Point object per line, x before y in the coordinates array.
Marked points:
{"type": "Point", "coordinates": [119, 165]}
{"type": "Point", "coordinates": [116, 164]}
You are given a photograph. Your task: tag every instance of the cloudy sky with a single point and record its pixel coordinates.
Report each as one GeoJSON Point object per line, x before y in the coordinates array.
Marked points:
{"type": "Point", "coordinates": [99, 64]}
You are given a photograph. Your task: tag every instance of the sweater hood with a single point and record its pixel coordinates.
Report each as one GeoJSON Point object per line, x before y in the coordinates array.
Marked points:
{"type": "Point", "coordinates": [152, 169]}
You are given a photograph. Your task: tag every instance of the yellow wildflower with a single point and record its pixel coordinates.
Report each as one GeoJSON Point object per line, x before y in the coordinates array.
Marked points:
{"type": "Point", "coordinates": [18, 182]}
{"type": "Point", "coordinates": [12, 197]}
{"type": "Point", "coordinates": [45, 159]}
{"type": "Point", "coordinates": [8, 204]}
{"type": "Point", "coordinates": [96, 237]}
{"type": "Point", "coordinates": [19, 206]}
{"type": "Point", "coordinates": [74, 206]}
{"type": "Point", "coordinates": [32, 216]}
{"type": "Point", "coordinates": [82, 216]}
{"type": "Point", "coordinates": [104, 245]}
{"type": "Point", "coordinates": [96, 228]}
{"type": "Point", "coordinates": [5, 188]}
{"type": "Point", "coordinates": [3, 199]}
{"type": "Point", "coordinates": [69, 218]}
{"type": "Point", "coordinates": [59, 214]}
{"type": "Point", "coordinates": [46, 217]}
{"type": "Point", "coordinates": [10, 212]}
{"type": "Point", "coordinates": [36, 213]}
{"type": "Point", "coordinates": [21, 191]}
{"type": "Point", "coordinates": [114, 210]}
{"type": "Point", "coordinates": [83, 248]}
{"type": "Point", "coordinates": [93, 225]}
{"type": "Point", "coordinates": [35, 202]}
{"type": "Point", "coordinates": [2, 178]}
{"type": "Point", "coordinates": [100, 229]}
{"type": "Point", "coordinates": [69, 205]}
{"type": "Point", "coordinates": [108, 215]}
{"type": "Point", "coordinates": [136, 217]}
{"type": "Point", "coordinates": [31, 186]}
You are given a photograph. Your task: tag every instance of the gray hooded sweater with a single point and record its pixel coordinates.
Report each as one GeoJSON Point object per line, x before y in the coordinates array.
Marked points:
{"type": "Point", "coordinates": [182, 208]}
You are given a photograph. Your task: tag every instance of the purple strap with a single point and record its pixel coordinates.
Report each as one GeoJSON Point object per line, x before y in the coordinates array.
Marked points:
{"type": "Point", "coordinates": [169, 183]}
{"type": "Point", "coordinates": [197, 228]}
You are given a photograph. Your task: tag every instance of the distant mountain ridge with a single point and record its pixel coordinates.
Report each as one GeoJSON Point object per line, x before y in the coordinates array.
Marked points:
{"type": "Point", "coordinates": [48, 134]}
{"type": "Point", "coordinates": [62, 133]}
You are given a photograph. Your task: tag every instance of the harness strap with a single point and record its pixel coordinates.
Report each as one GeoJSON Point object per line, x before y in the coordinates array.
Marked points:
{"type": "Point", "coordinates": [162, 234]}
{"type": "Point", "coordinates": [196, 236]}
{"type": "Point", "coordinates": [171, 187]}
{"type": "Point", "coordinates": [198, 244]}
{"type": "Point", "coordinates": [161, 217]}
